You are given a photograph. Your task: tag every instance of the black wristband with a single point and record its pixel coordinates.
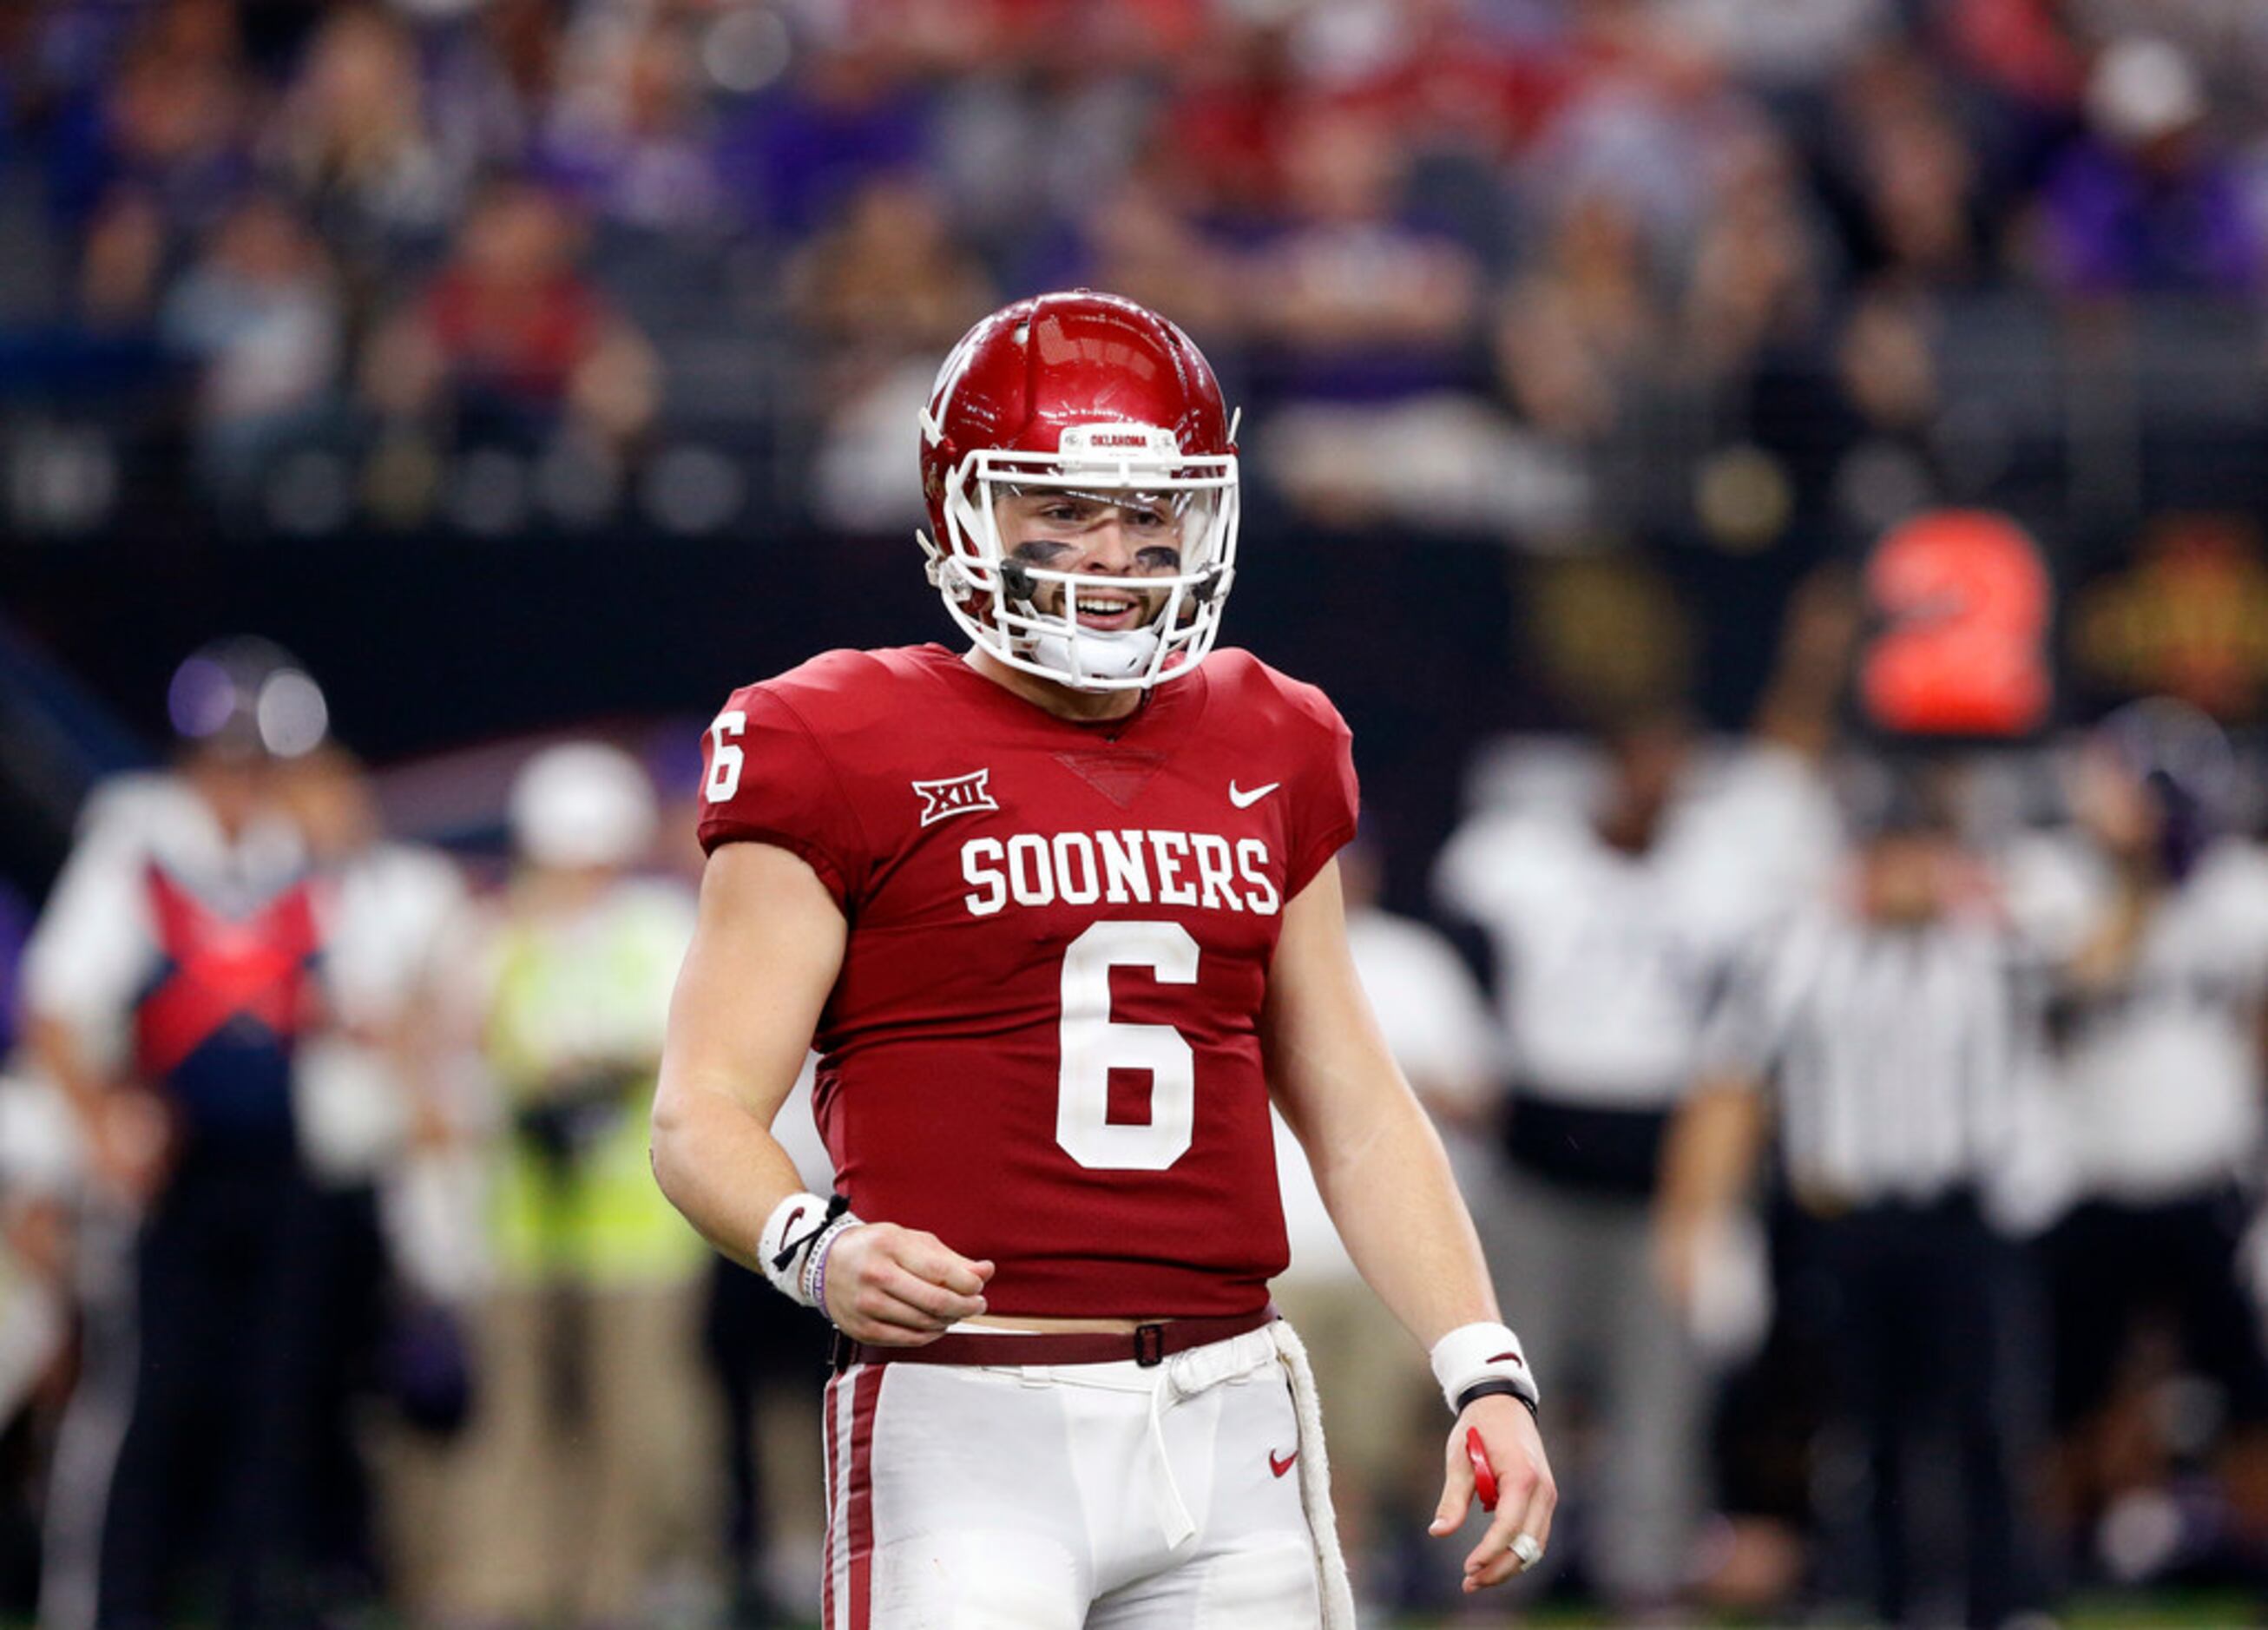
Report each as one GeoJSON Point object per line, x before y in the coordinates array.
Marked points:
{"type": "Point", "coordinates": [1493, 1388]}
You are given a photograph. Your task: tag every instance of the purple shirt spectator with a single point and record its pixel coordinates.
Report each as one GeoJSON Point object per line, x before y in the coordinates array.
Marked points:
{"type": "Point", "coordinates": [15, 928]}
{"type": "Point", "coordinates": [628, 139]}
{"type": "Point", "coordinates": [2116, 226]}
{"type": "Point", "coordinates": [793, 158]}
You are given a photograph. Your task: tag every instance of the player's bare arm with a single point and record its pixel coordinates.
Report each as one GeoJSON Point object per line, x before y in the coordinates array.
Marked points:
{"type": "Point", "coordinates": [765, 953]}
{"type": "Point", "coordinates": [126, 1128]}
{"type": "Point", "coordinates": [1708, 1160]}
{"type": "Point", "coordinates": [1387, 1184]}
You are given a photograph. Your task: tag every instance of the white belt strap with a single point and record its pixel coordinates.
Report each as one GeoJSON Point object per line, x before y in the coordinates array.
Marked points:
{"type": "Point", "coordinates": [1315, 1480]}
{"type": "Point", "coordinates": [1184, 1375]}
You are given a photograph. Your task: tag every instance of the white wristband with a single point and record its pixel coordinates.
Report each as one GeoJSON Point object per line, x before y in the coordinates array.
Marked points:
{"type": "Point", "coordinates": [790, 1247]}
{"type": "Point", "coordinates": [1474, 1353]}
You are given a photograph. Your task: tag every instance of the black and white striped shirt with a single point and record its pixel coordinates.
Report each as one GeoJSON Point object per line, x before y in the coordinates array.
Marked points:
{"type": "Point", "coordinates": [1895, 1054]}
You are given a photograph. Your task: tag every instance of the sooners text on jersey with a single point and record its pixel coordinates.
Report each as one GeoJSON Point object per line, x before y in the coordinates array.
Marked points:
{"type": "Point", "coordinates": [1044, 1044]}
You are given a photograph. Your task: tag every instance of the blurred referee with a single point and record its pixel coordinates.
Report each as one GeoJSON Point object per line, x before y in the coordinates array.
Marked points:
{"type": "Point", "coordinates": [1883, 1034]}
{"type": "Point", "coordinates": [168, 987]}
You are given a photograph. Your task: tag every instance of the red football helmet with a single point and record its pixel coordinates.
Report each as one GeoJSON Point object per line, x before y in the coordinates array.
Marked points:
{"type": "Point", "coordinates": [1094, 397]}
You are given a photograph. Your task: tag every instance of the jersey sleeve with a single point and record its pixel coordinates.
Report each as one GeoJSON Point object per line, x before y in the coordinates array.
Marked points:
{"type": "Point", "coordinates": [1494, 869]}
{"type": "Point", "coordinates": [2243, 895]}
{"type": "Point", "coordinates": [766, 780]}
{"type": "Point", "coordinates": [1329, 800]}
{"type": "Point", "coordinates": [92, 947]}
{"type": "Point", "coordinates": [2055, 894]}
{"type": "Point", "coordinates": [1748, 1026]}
{"type": "Point", "coordinates": [1437, 1021]}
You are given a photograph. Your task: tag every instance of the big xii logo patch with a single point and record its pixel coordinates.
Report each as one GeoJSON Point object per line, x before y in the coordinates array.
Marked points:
{"type": "Point", "coordinates": [960, 795]}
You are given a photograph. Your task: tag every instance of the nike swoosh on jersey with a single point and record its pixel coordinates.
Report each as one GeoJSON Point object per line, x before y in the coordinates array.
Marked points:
{"type": "Point", "coordinates": [1245, 800]}
{"type": "Point", "coordinates": [1280, 1467]}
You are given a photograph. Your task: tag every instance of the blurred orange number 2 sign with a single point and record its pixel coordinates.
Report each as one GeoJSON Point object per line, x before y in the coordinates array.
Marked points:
{"type": "Point", "coordinates": [1965, 602]}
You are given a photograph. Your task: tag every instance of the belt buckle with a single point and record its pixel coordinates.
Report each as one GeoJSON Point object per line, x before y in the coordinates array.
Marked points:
{"type": "Point", "coordinates": [840, 1349]}
{"type": "Point", "coordinates": [1149, 1345]}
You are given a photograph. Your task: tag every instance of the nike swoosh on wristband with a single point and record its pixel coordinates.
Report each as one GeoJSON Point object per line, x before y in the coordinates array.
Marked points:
{"type": "Point", "coordinates": [1245, 800]}
{"type": "Point", "coordinates": [788, 1247]}
{"type": "Point", "coordinates": [1280, 1467]}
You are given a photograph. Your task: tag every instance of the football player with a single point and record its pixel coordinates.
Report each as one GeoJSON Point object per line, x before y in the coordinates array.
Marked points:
{"type": "Point", "coordinates": [2155, 920]}
{"type": "Point", "coordinates": [1061, 914]}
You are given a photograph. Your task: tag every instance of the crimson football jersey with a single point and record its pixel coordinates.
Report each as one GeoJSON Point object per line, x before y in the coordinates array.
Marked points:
{"type": "Point", "coordinates": [1043, 1045]}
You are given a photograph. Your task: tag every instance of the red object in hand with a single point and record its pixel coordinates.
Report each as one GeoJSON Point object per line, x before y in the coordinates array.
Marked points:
{"type": "Point", "coordinates": [1483, 1473]}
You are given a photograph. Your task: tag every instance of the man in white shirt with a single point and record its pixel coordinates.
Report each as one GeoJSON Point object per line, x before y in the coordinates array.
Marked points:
{"type": "Point", "coordinates": [2157, 924]}
{"type": "Point", "coordinates": [1613, 924]}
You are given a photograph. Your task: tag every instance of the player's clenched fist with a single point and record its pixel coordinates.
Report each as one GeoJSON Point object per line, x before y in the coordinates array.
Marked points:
{"type": "Point", "coordinates": [900, 1288]}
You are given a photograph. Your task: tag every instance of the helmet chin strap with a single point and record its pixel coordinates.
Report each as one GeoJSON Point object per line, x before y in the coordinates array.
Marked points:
{"type": "Point", "coordinates": [1120, 654]}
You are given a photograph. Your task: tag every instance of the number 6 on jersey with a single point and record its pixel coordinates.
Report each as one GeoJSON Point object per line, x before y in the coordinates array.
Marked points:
{"type": "Point", "coordinates": [1095, 1044]}
{"type": "Point", "coordinates": [725, 765]}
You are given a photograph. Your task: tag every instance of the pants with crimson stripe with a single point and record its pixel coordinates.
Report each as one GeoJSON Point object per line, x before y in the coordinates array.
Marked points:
{"type": "Point", "coordinates": [1068, 1497]}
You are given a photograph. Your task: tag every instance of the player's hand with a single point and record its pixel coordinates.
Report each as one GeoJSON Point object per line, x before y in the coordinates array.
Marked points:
{"type": "Point", "coordinates": [900, 1288]}
{"type": "Point", "coordinates": [130, 1144]}
{"type": "Point", "coordinates": [1526, 1495]}
{"type": "Point", "coordinates": [1676, 1248]}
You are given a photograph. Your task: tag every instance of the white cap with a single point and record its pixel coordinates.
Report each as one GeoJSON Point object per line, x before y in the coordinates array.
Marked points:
{"type": "Point", "coordinates": [2144, 88]}
{"type": "Point", "coordinates": [583, 803]}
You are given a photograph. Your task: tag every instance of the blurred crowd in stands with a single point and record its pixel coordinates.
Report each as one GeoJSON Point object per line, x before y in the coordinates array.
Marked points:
{"type": "Point", "coordinates": [1531, 257]}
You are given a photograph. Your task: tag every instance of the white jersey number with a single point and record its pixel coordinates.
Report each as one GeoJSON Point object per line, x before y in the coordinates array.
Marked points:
{"type": "Point", "coordinates": [724, 763]}
{"type": "Point", "coordinates": [1094, 1044]}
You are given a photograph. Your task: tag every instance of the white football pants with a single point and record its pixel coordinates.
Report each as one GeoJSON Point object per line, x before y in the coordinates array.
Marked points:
{"type": "Point", "coordinates": [1103, 1496]}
